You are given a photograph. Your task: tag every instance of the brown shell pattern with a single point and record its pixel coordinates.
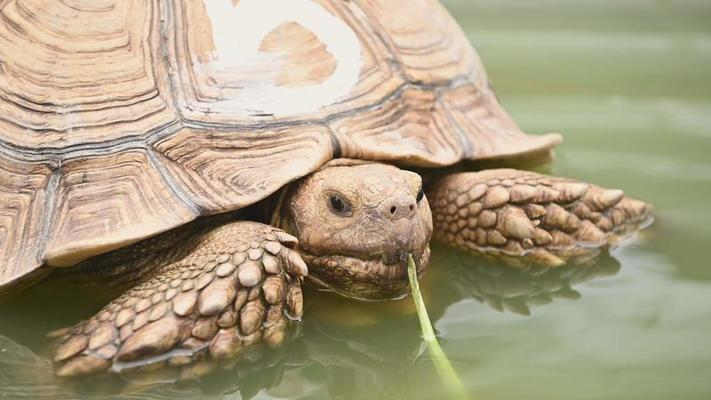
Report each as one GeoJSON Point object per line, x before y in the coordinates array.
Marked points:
{"type": "Point", "coordinates": [120, 119]}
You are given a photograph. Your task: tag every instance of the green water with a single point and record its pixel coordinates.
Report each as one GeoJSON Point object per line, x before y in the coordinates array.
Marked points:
{"type": "Point", "coordinates": [629, 85]}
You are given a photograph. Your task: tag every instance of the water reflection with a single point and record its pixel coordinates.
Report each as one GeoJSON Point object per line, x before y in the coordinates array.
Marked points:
{"type": "Point", "coordinates": [342, 347]}
{"type": "Point", "coordinates": [514, 289]}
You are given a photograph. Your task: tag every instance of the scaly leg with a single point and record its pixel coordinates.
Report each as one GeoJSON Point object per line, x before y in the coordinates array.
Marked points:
{"type": "Point", "coordinates": [524, 218]}
{"type": "Point", "coordinates": [240, 285]}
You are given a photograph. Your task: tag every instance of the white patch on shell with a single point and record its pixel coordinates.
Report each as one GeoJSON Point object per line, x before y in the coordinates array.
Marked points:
{"type": "Point", "coordinates": [238, 32]}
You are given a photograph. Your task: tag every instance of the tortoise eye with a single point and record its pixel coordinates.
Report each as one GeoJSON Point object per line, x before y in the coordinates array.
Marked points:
{"type": "Point", "coordinates": [420, 195]}
{"type": "Point", "coordinates": [338, 205]}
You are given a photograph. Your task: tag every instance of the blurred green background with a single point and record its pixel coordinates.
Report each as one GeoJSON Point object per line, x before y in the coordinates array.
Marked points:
{"type": "Point", "coordinates": [628, 83]}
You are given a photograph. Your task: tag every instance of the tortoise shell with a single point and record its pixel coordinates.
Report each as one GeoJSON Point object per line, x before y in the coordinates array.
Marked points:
{"type": "Point", "coordinates": [121, 119]}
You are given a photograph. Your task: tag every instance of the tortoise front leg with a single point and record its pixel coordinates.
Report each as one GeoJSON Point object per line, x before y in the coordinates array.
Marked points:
{"type": "Point", "coordinates": [241, 285]}
{"type": "Point", "coordinates": [522, 217]}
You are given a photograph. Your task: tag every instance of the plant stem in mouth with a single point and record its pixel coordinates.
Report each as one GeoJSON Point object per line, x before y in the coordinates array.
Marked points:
{"type": "Point", "coordinates": [449, 376]}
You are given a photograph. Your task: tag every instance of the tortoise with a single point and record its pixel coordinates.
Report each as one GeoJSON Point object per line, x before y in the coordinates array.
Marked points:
{"type": "Point", "coordinates": [213, 156]}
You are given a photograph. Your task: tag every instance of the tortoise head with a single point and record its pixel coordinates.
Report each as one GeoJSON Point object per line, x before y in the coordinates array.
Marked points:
{"type": "Point", "coordinates": [356, 223]}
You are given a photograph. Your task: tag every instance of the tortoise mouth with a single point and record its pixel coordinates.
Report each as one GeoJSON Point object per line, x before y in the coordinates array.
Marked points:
{"type": "Point", "coordinates": [379, 277]}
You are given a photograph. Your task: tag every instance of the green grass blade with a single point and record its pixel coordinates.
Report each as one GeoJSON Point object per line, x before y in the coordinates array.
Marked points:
{"type": "Point", "coordinates": [444, 368]}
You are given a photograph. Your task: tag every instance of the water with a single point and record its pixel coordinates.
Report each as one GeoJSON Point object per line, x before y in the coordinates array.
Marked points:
{"type": "Point", "coordinates": [629, 85]}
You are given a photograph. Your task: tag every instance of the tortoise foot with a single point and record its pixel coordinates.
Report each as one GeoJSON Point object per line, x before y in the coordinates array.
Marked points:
{"type": "Point", "coordinates": [241, 286]}
{"type": "Point", "coordinates": [523, 218]}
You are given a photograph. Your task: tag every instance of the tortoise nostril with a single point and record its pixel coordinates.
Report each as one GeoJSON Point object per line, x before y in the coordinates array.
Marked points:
{"type": "Point", "coordinates": [395, 209]}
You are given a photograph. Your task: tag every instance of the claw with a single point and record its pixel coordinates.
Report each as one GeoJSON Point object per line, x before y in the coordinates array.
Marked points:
{"type": "Point", "coordinates": [606, 199]}
{"type": "Point", "coordinates": [287, 239]}
{"type": "Point", "coordinates": [294, 263]}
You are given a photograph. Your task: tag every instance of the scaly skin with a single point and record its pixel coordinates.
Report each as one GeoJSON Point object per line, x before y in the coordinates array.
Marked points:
{"type": "Point", "coordinates": [242, 284]}
{"type": "Point", "coordinates": [358, 254]}
{"type": "Point", "coordinates": [523, 218]}
{"type": "Point", "coordinates": [228, 285]}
